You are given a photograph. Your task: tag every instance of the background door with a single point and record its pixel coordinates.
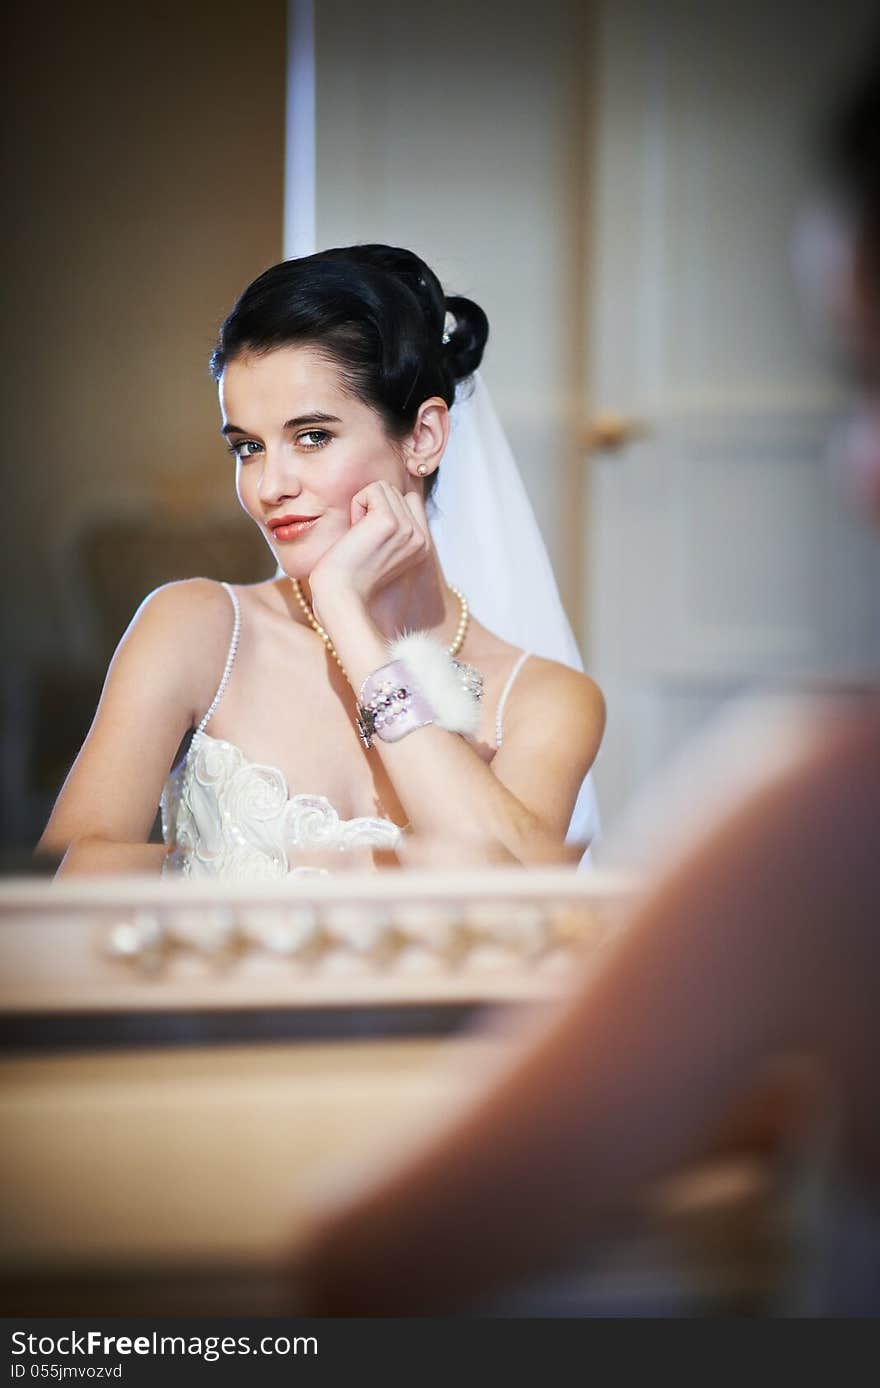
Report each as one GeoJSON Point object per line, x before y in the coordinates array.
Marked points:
{"type": "Point", "coordinates": [718, 554]}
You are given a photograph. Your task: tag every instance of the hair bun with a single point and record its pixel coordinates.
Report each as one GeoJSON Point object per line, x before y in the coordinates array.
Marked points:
{"type": "Point", "coordinates": [468, 337]}
{"type": "Point", "coordinates": [463, 351]}
{"type": "Point", "coordinates": [408, 269]}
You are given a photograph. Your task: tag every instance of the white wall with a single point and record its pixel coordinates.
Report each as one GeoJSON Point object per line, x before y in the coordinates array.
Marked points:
{"type": "Point", "coordinates": [457, 131]}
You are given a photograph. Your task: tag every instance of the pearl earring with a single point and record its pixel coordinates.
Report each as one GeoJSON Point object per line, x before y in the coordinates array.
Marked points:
{"type": "Point", "coordinates": [422, 469]}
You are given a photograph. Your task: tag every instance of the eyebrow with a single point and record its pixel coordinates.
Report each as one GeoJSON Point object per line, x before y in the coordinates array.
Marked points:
{"type": "Point", "coordinates": [315, 417]}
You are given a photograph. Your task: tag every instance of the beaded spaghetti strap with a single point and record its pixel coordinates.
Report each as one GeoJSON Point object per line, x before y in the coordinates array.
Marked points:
{"type": "Point", "coordinates": [230, 658]}
{"type": "Point", "coordinates": [504, 693]}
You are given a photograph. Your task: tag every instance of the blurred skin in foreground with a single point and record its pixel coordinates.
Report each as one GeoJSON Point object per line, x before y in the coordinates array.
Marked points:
{"type": "Point", "coordinates": [758, 943]}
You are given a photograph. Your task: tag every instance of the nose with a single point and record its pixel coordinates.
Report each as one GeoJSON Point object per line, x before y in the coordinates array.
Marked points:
{"type": "Point", "coordinates": [278, 476]}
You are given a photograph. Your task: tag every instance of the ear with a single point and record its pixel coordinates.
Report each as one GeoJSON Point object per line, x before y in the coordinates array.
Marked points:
{"type": "Point", "coordinates": [425, 446]}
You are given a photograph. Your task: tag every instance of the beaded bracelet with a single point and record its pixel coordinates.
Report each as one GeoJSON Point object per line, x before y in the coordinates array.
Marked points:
{"type": "Point", "coordinates": [390, 705]}
{"type": "Point", "coordinates": [421, 684]}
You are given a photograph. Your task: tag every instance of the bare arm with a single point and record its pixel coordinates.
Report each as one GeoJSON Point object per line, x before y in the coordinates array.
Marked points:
{"type": "Point", "coordinates": [736, 958]}
{"type": "Point", "coordinates": [522, 803]}
{"type": "Point", "coordinates": [157, 679]}
{"type": "Point", "coordinates": [95, 855]}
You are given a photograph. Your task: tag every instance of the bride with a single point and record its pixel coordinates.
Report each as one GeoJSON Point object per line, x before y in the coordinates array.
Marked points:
{"type": "Point", "coordinates": [353, 698]}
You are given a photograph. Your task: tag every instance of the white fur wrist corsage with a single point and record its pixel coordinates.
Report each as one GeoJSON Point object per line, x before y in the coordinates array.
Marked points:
{"type": "Point", "coordinates": [421, 684]}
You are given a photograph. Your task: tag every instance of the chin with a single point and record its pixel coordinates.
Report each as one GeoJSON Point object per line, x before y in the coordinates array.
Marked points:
{"type": "Point", "coordinates": [296, 561]}
{"type": "Point", "coordinates": [290, 567]}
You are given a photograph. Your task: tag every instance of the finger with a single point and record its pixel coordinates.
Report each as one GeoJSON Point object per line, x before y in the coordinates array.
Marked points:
{"type": "Point", "coordinates": [399, 509]}
{"type": "Point", "coordinates": [416, 502]}
{"type": "Point", "coordinates": [413, 526]}
{"type": "Point", "coordinates": [416, 507]}
{"type": "Point", "coordinates": [369, 498]}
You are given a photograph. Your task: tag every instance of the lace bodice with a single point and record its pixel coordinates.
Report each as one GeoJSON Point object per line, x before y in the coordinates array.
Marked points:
{"type": "Point", "coordinates": [233, 818]}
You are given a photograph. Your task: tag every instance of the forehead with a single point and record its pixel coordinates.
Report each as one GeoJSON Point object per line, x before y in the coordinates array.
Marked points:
{"type": "Point", "coordinates": [287, 381]}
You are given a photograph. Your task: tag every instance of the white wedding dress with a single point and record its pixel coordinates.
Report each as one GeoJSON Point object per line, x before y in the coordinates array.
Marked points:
{"type": "Point", "coordinates": [224, 816]}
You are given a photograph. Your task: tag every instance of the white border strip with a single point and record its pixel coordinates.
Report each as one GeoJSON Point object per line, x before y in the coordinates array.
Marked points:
{"type": "Point", "coordinates": [299, 131]}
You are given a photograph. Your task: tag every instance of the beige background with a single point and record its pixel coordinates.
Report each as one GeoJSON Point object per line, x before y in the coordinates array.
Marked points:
{"type": "Point", "coordinates": [144, 187]}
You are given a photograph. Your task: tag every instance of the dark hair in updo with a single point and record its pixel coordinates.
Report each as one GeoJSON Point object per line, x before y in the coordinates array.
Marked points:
{"type": "Point", "coordinates": [378, 313]}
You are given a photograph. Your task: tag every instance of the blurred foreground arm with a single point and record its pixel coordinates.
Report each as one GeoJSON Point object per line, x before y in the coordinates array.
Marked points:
{"type": "Point", "coordinates": [756, 945]}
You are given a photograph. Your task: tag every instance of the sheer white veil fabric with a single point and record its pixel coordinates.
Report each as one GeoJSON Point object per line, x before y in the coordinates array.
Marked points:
{"type": "Point", "coordinates": [489, 545]}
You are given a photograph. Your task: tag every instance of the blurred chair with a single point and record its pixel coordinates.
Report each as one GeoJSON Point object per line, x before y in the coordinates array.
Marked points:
{"type": "Point", "coordinates": [47, 706]}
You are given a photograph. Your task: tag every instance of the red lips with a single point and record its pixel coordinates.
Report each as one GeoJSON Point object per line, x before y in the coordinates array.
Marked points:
{"type": "Point", "coordinates": [277, 521]}
{"type": "Point", "coordinates": [289, 527]}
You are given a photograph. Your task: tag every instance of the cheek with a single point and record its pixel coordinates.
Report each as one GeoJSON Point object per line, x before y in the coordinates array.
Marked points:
{"type": "Point", "coordinates": [350, 474]}
{"type": "Point", "coordinates": [244, 490]}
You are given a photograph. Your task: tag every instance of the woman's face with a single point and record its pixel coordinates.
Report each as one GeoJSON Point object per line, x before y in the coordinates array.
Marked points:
{"type": "Point", "coordinates": [303, 448]}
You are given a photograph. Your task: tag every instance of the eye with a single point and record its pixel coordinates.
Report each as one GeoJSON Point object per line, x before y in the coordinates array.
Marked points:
{"type": "Point", "coordinates": [313, 439]}
{"type": "Point", "coordinates": [244, 449]}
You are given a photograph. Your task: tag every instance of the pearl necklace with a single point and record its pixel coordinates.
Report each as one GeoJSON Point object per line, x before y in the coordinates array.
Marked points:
{"type": "Point", "coordinates": [457, 641]}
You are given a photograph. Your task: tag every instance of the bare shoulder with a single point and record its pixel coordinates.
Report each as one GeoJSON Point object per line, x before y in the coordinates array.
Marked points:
{"type": "Point", "coordinates": [164, 673]}
{"type": "Point", "coordinates": [549, 698]}
{"type": "Point", "coordinates": [539, 678]}
{"type": "Point", "coordinates": [190, 600]}
{"type": "Point", "coordinates": [570, 691]}
{"type": "Point", "coordinates": [182, 629]}
{"type": "Point", "coordinates": [553, 722]}
{"type": "Point", "coordinates": [192, 607]}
